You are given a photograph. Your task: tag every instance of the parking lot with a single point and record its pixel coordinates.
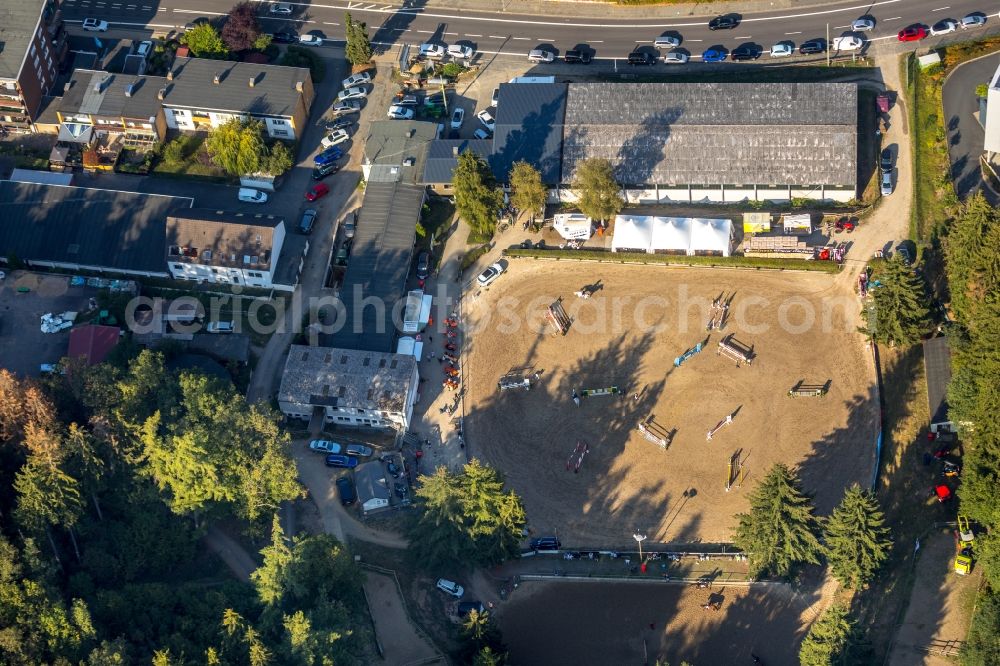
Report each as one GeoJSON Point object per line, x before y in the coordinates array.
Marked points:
{"type": "Point", "coordinates": [23, 347]}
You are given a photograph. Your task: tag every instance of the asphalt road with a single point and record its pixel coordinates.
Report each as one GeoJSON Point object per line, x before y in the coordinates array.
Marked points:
{"type": "Point", "coordinates": [965, 134]}
{"type": "Point", "coordinates": [515, 34]}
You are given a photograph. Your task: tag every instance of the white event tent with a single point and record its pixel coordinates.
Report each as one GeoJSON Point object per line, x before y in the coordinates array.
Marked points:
{"type": "Point", "coordinates": [680, 235]}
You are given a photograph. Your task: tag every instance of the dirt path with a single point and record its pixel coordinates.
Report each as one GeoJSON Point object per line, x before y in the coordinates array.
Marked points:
{"type": "Point", "coordinates": [401, 642]}
{"type": "Point", "coordinates": [230, 551]}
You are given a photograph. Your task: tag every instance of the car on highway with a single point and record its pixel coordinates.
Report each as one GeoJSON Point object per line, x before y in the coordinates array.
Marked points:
{"type": "Point", "coordinates": [358, 450]}
{"type": "Point", "coordinates": [714, 54]}
{"type": "Point", "coordinates": [912, 33]}
{"type": "Point", "coordinates": [745, 52]}
{"type": "Point", "coordinates": [331, 154]}
{"type": "Point", "coordinates": [885, 161]}
{"type": "Point", "coordinates": [310, 40]}
{"type": "Point", "coordinates": [356, 79]}
{"type": "Point", "coordinates": [488, 276]}
{"type": "Point", "coordinates": [285, 37]}
{"type": "Point", "coordinates": [334, 138]}
{"type": "Point", "coordinates": [973, 21]}
{"type": "Point", "coordinates": [481, 133]}
{"type": "Point", "coordinates": [460, 51]}
{"type": "Point", "coordinates": [336, 460]}
{"type": "Point", "coordinates": [423, 265]}
{"type": "Point", "coordinates": [577, 56]}
{"type": "Point", "coordinates": [676, 57]}
{"type": "Point", "coordinates": [863, 24]}
{"type": "Point", "coordinates": [885, 186]}
{"type": "Point", "coordinates": [345, 488]}
{"type": "Point", "coordinates": [667, 41]}
{"type": "Point", "coordinates": [357, 92]}
{"type": "Point", "coordinates": [848, 43]}
{"type": "Point", "coordinates": [321, 172]}
{"type": "Point", "coordinates": [782, 50]}
{"type": "Point", "coordinates": [324, 445]}
{"type": "Point", "coordinates": [812, 47]}
{"type": "Point", "coordinates": [541, 55]}
{"type": "Point", "coordinates": [306, 225]}
{"type": "Point", "coordinates": [432, 50]}
{"type": "Point", "coordinates": [487, 119]}
{"type": "Point", "coordinates": [727, 22]}
{"type": "Point", "coordinates": [457, 118]}
{"type": "Point", "coordinates": [280, 8]}
{"type": "Point", "coordinates": [944, 27]}
{"type": "Point", "coordinates": [347, 106]}
{"type": "Point", "coordinates": [450, 587]}
{"type": "Point", "coordinates": [317, 191]}
{"type": "Point", "coordinates": [396, 112]}
{"type": "Point", "coordinates": [641, 58]}
{"type": "Point", "coordinates": [94, 25]}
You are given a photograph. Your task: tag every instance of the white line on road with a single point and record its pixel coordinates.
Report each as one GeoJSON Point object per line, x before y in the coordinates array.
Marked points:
{"type": "Point", "coordinates": [797, 32]}
{"type": "Point", "coordinates": [597, 41]}
{"type": "Point", "coordinates": [451, 33]}
{"type": "Point", "coordinates": [471, 35]}
{"type": "Point", "coordinates": [894, 18]}
{"type": "Point", "coordinates": [386, 8]}
{"type": "Point", "coordinates": [370, 7]}
{"type": "Point", "coordinates": [694, 40]}
{"type": "Point", "coordinates": [940, 9]}
{"type": "Point", "coordinates": [545, 39]}
{"type": "Point", "coordinates": [329, 23]}
{"type": "Point", "coordinates": [522, 38]}
{"type": "Point", "coordinates": [426, 32]}
{"type": "Point", "coordinates": [840, 27]}
{"type": "Point", "coordinates": [747, 37]}
{"type": "Point", "coordinates": [498, 36]}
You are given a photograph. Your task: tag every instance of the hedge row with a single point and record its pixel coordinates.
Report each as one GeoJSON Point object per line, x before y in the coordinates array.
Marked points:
{"type": "Point", "coordinates": [643, 258]}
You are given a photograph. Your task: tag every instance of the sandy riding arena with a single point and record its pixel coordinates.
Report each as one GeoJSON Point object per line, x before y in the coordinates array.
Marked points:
{"type": "Point", "coordinates": [586, 472]}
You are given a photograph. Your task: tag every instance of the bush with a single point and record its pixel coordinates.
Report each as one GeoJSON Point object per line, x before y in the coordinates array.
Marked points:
{"type": "Point", "coordinates": [299, 56]}
{"type": "Point", "coordinates": [452, 70]}
{"type": "Point", "coordinates": [678, 260]}
{"type": "Point", "coordinates": [473, 255]}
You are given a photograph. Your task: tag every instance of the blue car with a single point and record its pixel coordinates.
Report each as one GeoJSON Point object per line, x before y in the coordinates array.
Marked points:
{"type": "Point", "coordinates": [717, 54]}
{"type": "Point", "coordinates": [338, 460]}
{"type": "Point", "coordinates": [331, 154]}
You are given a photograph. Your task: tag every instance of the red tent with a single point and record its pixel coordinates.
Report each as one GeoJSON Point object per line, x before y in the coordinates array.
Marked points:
{"type": "Point", "coordinates": [92, 342]}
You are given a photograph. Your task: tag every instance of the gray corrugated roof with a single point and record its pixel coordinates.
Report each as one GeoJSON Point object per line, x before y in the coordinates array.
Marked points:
{"type": "Point", "coordinates": [273, 92]}
{"type": "Point", "coordinates": [18, 21]}
{"type": "Point", "coordinates": [104, 94]}
{"type": "Point", "coordinates": [117, 230]}
{"type": "Point", "coordinates": [391, 142]}
{"type": "Point", "coordinates": [529, 127]}
{"type": "Point", "coordinates": [441, 158]}
{"type": "Point", "coordinates": [937, 366]}
{"type": "Point", "coordinates": [378, 265]}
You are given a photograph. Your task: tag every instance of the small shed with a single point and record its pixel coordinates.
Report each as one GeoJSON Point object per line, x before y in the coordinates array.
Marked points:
{"type": "Point", "coordinates": [756, 223]}
{"type": "Point", "coordinates": [797, 224]}
{"type": "Point", "coordinates": [373, 490]}
{"type": "Point", "coordinates": [572, 226]}
{"type": "Point", "coordinates": [416, 311]}
{"type": "Point", "coordinates": [410, 346]}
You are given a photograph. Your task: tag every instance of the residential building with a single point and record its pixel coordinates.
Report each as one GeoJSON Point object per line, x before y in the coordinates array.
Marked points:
{"type": "Point", "coordinates": [199, 94]}
{"type": "Point", "coordinates": [992, 124]}
{"type": "Point", "coordinates": [442, 156]}
{"type": "Point", "coordinates": [32, 43]}
{"type": "Point", "coordinates": [208, 245]}
{"type": "Point", "coordinates": [111, 110]}
{"type": "Point", "coordinates": [372, 487]}
{"type": "Point", "coordinates": [349, 387]}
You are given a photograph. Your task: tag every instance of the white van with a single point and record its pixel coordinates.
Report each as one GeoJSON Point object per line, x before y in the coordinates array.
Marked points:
{"type": "Point", "coordinates": [848, 42]}
{"type": "Point", "coordinates": [250, 195]}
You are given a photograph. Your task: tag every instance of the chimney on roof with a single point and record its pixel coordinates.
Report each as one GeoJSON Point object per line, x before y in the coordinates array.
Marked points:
{"type": "Point", "coordinates": [253, 79]}
{"type": "Point", "coordinates": [161, 93]}
{"type": "Point", "coordinates": [215, 79]}
{"type": "Point", "coordinates": [66, 87]}
{"type": "Point", "coordinates": [454, 151]}
{"type": "Point", "coordinates": [128, 90]}
{"type": "Point", "coordinates": [300, 86]}
{"type": "Point", "coordinates": [170, 75]}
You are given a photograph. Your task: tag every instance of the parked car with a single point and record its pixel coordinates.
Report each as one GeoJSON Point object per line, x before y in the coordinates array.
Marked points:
{"type": "Point", "coordinates": [393, 469]}
{"type": "Point", "coordinates": [144, 49]}
{"type": "Point", "coordinates": [324, 446]}
{"type": "Point", "coordinates": [331, 154]}
{"type": "Point", "coordinates": [285, 37]}
{"type": "Point", "coordinates": [357, 92]}
{"type": "Point", "coordinates": [481, 133]}
{"type": "Point", "coordinates": [546, 543]}
{"type": "Point", "coordinates": [250, 195]}
{"type": "Point", "coordinates": [308, 221]}
{"type": "Point", "coordinates": [351, 225]}
{"type": "Point", "coordinates": [490, 275]}
{"type": "Point", "coordinates": [339, 123]}
{"type": "Point", "coordinates": [334, 138]}
{"type": "Point", "coordinates": [432, 50]}
{"type": "Point", "coordinates": [280, 8]}
{"type": "Point", "coordinates": [407, 100]}
{"type": "Point", "coordinates": [782, 50]}
{"type": "Point", "coordinates": [812, 47]}
{"type": "Point", "coordinates": [321, 172]}
{"type": "Point", "coordinates": [579, 57]}
{"type": "Point", "coordinates": [94, 25]}
{"type": "Point", "coordinates": [402, 491]}
{"type": "Point", "coordinates": [885, 161]}
{"type": "Point", "coordinates": [460, 51]}
{"type": "Point", "coordinates": [400, 112]}
{"type": "Point", "coordinates": [973, 21]}
{"type": "Point", "coordinates": [641, 58]}
{"type": "Point", "coordinates": [317, 191]}
{"type": "Point", "coordinates": [345, 488]}
{"type": "Point", "coordinates": [714, 54]}
{"type": "Point", "coordinates": [358, 450]}
{"type": "Point", "coordinates": [450, 587]}
{"type": "Point", "coordinates": [904, 254]}
{"type": "Point", "coordinates": [666, 41]}
{"type": "Point", "coordinates": [745, 52]}
{"type": "Point", "coordinates": [913, 33]}
{"type": "Point", "coordinates": [423, 265]}
{"type": "Point", "coordinates": [337, 460]}
{"type": "Point", "coordinates": [487, 119]}
{"type": "Point", "coordinates": [310, 40]}
{"type": "Point", "coordinates": [541, 55]}
{"type": "Point", "coordinates": [495, 97]}
{"type": "Point", "coordinates": [886, 183]}
{"type": "Point", "coordinates": [356, 79]}
{"type": "Point", "coordinates": [944, 27]}
{"type": "Point", "coordinates": [346, 106]}
{"type": "Point", "coordinates": [863, 24]}
{"type": "Point", "coordinates": [457, 118]}
{"type": "Point", "coordinates": [727, 22]}
{"type": "Point", "coordinates": [677, 57]}
{"type": "Point", "coordinates": [848, 43]}
{"type": "Point", "coordinates": [219, 327]}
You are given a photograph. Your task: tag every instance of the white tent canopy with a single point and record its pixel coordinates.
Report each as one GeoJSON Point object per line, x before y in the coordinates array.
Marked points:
{"type": "Point", "coordinates": [671, 233]}
{"type": "Point", "coordinates": [632, 232]}
{"type": "Point", "coordinates": [711, 236]}
{"type": "Point", "coordinates": [690, 235]}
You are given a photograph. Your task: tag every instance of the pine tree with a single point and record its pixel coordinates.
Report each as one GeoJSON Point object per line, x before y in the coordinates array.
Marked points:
{"type": "Point", "coordinates": [599, 192]}
{"type": "Point", "coordinates": [477, 198]}
{"type": "Point", "coordinates": [901, 314]}
{"type": "Point", "coordinates": [269, 578]}
{"type": "Point", "coordinates": [528, 193]}
{"type": "Point", "coordinates": [358, 48]}
{"type": "Point", "coordinates": [780, 530]}
{"type": "Point", "coordinates": [970, 250]}
{"type": "Point", "coordinates": [857, 540]}
{"type": "Point", "coordinates": [828, 638]}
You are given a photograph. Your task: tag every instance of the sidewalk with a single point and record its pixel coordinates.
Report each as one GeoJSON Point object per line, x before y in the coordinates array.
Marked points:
{"type": "Point", "coordinates": [578, 9]}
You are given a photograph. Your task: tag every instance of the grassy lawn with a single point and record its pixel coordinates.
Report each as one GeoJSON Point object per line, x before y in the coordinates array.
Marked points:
{"type": "Point", "coordinates": [190, 160]}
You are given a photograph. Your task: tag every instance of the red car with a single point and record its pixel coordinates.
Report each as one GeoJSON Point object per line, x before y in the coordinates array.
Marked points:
{"type": "Point", "coordinates": [316, 191]}
{"type": "Point", "coordinates": [913, 33]}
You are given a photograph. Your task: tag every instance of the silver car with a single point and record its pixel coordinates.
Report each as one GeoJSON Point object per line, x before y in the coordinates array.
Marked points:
{"type": "Point", "coordinates": [886, 186]}
{"type": "Point", "coordinates": [675, 57]}
{"type": "Point", "coordinates": [358, 450]}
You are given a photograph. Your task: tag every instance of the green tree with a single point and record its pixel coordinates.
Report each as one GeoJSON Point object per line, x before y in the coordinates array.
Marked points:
{"type": "Point", "coordinates": [982, 90]}
{"type": "Point", "coordinates": [487, 657]}
{"type": "Point", "coordinates": [857, 540]}
{"type": "Point", "coordinates": [269, 578]}
{"type": "Point", "coordinates": [242, 28]}
{"type": "Point", "coordinates": [480, 634]}
{"type": "Point", "coordinates": [279, 160]}
{"type": "Point", "coordinates": [262, 41]}
{"type": "Point", "coordinates": [205, 42]}
{"type": "Point", "coordinates": [828, 638]}
{"type": "Point", "coordinates": [173, 153]}
{"type": "Point", "coordinates": [477, 198]}
{"type": "Point", "coordinates": [528, 193]}
{"type": "Point", "coordinates": [973, 272]}
{"type": "Point", "coordinates": [780, 530]}
{"type": "Point", "coordinates": [982, 645]}
{"type": "Point", "coordinates": [599, 193]}
{"type": "Point", "coordinates": [900, 315]}
{"type": "Point", "coordinates": [358, 48]}
{"type": "Point", "coordinates": [237, 146]}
